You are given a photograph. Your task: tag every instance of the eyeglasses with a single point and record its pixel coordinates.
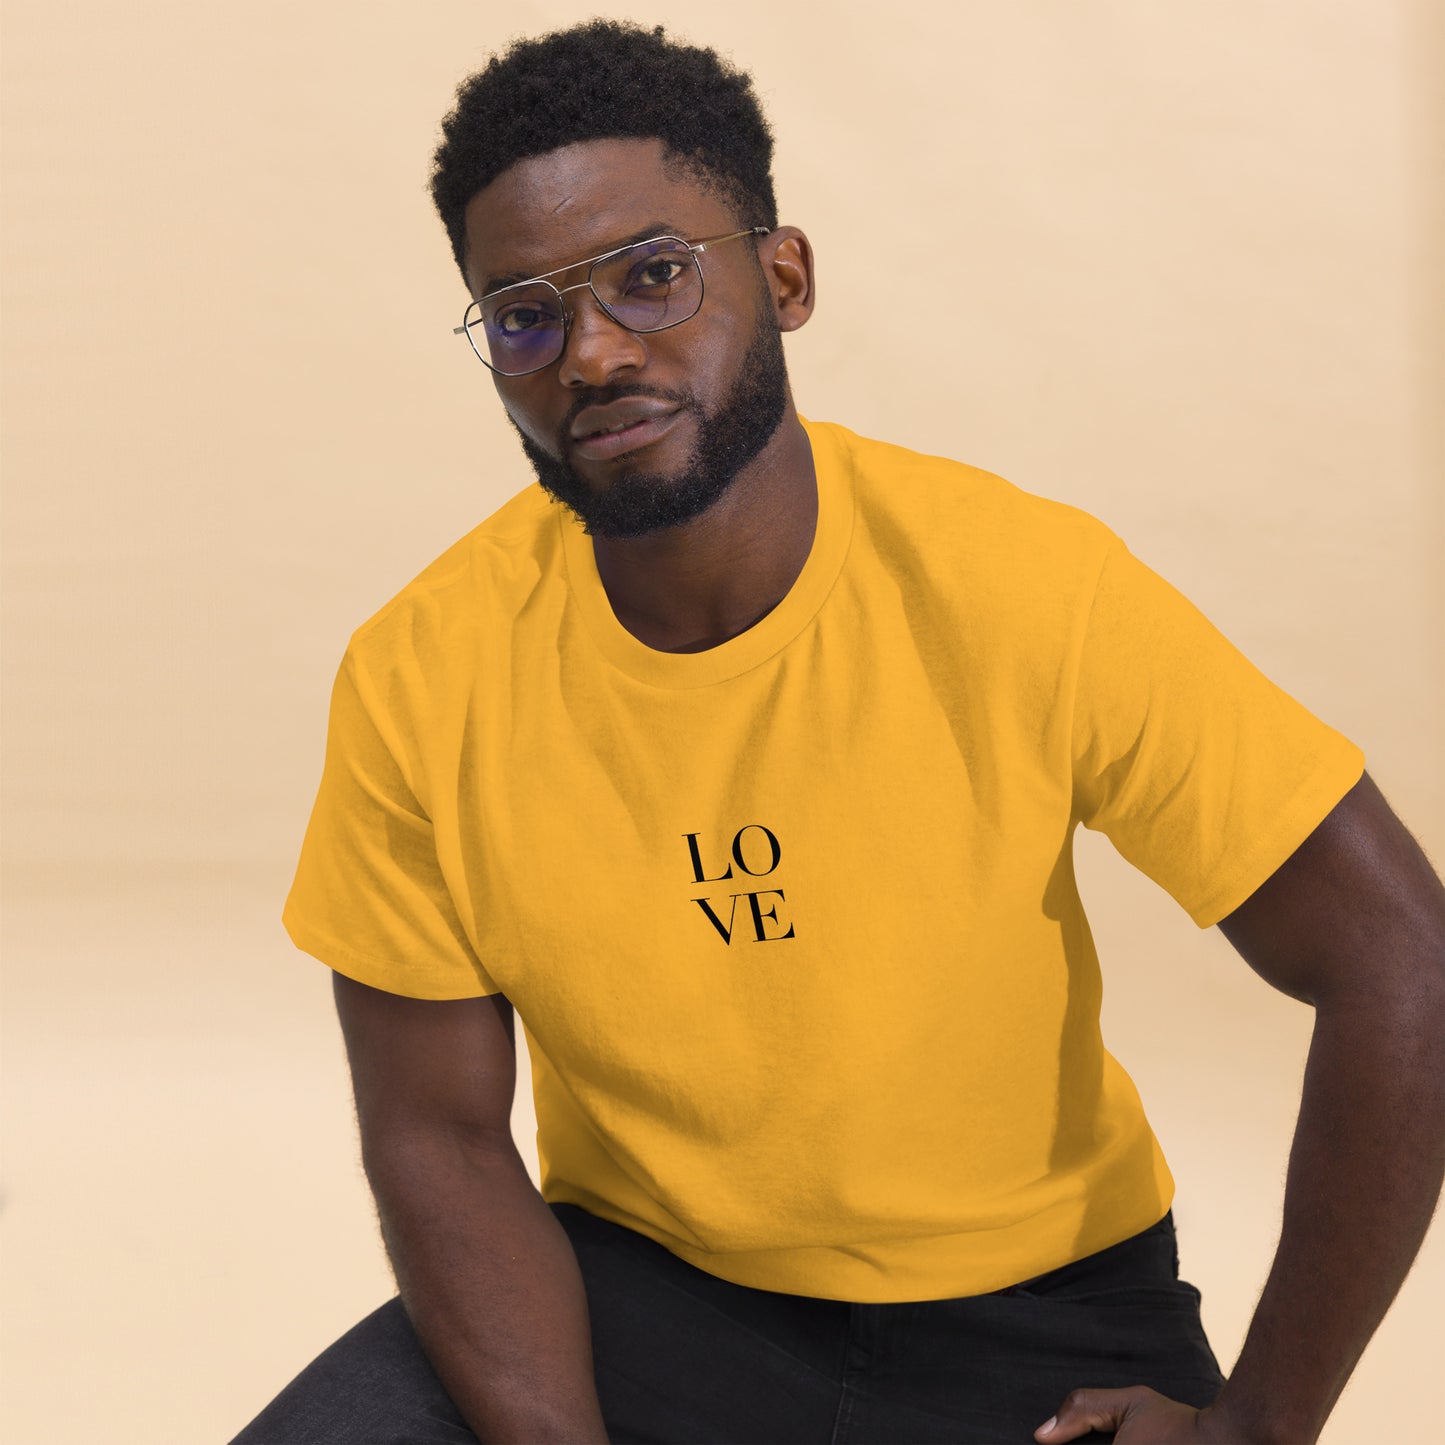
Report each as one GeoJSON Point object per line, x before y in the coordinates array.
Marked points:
{"type": "Point", "coordinates": [647, 286]}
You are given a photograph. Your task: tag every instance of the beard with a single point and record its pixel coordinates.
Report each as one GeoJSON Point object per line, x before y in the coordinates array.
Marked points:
{"type": "Point", "coordinates": [636, 501]}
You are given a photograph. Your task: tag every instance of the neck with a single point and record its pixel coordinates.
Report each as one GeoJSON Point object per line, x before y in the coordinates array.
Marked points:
{"type": "Point", "coordinates": [692, 587]}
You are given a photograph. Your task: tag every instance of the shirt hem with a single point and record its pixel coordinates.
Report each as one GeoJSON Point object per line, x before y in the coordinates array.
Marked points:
{"type": "Point", "coordinates": [1309, 807]}
{"type": "Point", "coordinates": [953, 1266]}
{"type": "Point", "coordinates": [370, 971]}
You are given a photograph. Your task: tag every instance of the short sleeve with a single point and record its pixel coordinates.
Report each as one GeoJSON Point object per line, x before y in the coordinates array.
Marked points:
{"type": "Point", "coordinates": [1202, 772]}
{"type": "Point", "coordinates": [369, 898]}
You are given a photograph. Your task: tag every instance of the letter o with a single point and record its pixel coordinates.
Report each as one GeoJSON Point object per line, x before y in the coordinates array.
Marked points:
{"type": "Point", "coordinates": [772, 843]}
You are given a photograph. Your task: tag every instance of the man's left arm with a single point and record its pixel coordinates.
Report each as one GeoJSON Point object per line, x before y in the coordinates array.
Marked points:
{"type": "Point", "coordinates": [1354, 925]}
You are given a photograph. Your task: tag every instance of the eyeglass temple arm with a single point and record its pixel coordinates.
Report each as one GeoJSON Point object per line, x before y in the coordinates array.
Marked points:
{"type": "Point", "coordinates": [717, 241]}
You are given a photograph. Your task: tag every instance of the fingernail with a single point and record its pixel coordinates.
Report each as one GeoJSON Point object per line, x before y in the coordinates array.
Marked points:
{"type": "Point", "coordinates": [1048, 1425]}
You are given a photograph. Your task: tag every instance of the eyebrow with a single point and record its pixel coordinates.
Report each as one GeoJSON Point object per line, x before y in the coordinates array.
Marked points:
{"type": "Point", "coordinates": [647, 233]}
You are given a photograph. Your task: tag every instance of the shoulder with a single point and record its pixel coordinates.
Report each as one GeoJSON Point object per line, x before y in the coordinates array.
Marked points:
{"type": "Point", "coordinates": [961, 522]}
{"type": "Point", "coordinates": [488, 572]}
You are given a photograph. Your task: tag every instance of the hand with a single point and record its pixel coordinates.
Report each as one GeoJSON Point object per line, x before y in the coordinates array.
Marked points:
{"type": "Point", "coordinates": [1139, 1416]}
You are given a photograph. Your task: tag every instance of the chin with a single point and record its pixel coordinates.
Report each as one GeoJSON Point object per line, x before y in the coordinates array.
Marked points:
{"type": "Point", "coordinates": [639, 492]}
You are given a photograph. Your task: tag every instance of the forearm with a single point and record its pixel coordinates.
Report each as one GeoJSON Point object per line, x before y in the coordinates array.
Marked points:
{"type": "Point", "coordinates": [491, 1284]}
{"type": "Point", "coordinates": [1365, 1171]}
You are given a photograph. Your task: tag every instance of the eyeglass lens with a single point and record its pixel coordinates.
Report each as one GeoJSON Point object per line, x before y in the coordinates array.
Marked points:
{"type": "Point", "coordinates": [647, 287]}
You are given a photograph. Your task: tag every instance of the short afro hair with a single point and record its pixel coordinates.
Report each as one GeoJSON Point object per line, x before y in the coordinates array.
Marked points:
{"type": "Point", "coordinates": [596, 81]}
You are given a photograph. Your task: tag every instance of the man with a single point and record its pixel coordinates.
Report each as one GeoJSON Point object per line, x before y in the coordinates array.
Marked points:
{"type": "Point", "coordinates": [748, 776]}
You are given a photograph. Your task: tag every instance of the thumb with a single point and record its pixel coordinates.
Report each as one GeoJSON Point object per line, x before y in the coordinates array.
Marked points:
{"type": "Point", "coordinates": [1086, 1410]}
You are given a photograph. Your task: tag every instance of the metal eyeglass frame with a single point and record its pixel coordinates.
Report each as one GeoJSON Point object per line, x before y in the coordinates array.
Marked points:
{"type": "Point", "coordinates": [592, 263]}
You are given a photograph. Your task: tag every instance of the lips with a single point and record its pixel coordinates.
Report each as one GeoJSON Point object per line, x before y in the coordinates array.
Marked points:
{"type": "Point", "coordinates": [602, 432]}
{"type": "Point", "coordinates": [622, 413]}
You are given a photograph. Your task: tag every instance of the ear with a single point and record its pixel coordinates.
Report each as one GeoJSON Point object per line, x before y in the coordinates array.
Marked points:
{"type": "Point", "coordinates": [787, 259]}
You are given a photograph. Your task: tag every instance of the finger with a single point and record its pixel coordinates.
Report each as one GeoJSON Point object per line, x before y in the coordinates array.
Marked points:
{"type": "Point", "coordinates": [1085, 1410]}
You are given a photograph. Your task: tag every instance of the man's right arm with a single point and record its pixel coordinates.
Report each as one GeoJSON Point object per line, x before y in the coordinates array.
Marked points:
{"type": "Point", "coordinates": [488, 1277]}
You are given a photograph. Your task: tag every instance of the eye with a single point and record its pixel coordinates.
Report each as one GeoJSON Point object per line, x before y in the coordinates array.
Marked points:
{"type": "Point", "coordinates": [656, 271]}
{"type": "Point", "coordinates": [519, 318]}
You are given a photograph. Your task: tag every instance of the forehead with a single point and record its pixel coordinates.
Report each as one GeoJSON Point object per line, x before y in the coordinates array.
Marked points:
{"type": "Point", "coordinates": [577, 201]}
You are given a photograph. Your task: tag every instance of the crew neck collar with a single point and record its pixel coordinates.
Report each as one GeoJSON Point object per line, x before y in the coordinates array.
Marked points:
{"type": "Point", "coordinates": [832, 466]}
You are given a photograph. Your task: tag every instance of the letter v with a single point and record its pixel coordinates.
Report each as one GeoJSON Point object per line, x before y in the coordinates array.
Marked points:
{"type": "Point", "coordinates": [706, 906]}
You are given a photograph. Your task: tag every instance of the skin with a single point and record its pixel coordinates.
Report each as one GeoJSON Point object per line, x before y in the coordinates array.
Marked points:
{"type": "Point", "coordinates": [1352, 925]}
{"type": "Point", "coordinates": [692, 586]}
{"type": "Point", "coordinates": [486, 1274]}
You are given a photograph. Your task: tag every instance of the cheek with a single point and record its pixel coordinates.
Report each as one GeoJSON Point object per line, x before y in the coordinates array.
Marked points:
{"type": "Point", "coordinates": [527, 419]}
{"type": "Point", "coordinates": [728, 336]}
{"type": "Point", "coordinates": [704, 361]}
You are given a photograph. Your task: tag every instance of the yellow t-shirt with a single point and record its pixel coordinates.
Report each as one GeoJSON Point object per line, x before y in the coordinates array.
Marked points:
{"type": "Point", "coordinates": [791, 924]}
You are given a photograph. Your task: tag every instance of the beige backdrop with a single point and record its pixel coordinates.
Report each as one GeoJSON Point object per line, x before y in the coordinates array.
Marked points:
{"type": "Point", "coordinates": [1188, 261]}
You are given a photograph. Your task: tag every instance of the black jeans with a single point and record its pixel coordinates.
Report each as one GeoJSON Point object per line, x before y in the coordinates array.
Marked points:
{"type": "Point", "coordinates": [681, 1356]}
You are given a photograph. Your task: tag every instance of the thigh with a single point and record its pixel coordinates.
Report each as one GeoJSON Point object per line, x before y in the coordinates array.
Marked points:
{"type": "Point", "coordinates": [374, 1386]}
{"type": "Point", "coordinates": [992, 1368]}
{"type": "Point", "coordinates": [682, 1356]}
{"type": "Point", "coordinates": [679, 1356]}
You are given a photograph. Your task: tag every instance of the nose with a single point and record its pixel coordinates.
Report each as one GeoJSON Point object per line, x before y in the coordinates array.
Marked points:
{"type": "Point", "coordinates": [597, 348]}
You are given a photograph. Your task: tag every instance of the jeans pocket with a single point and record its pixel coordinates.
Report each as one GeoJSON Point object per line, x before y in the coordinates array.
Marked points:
{"type": "Point", "coordinates": [1176, 1295]}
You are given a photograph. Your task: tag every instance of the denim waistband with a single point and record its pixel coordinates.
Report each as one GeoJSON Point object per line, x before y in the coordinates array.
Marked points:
{"type": "Point", "coordinates": [1149, 1256]}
